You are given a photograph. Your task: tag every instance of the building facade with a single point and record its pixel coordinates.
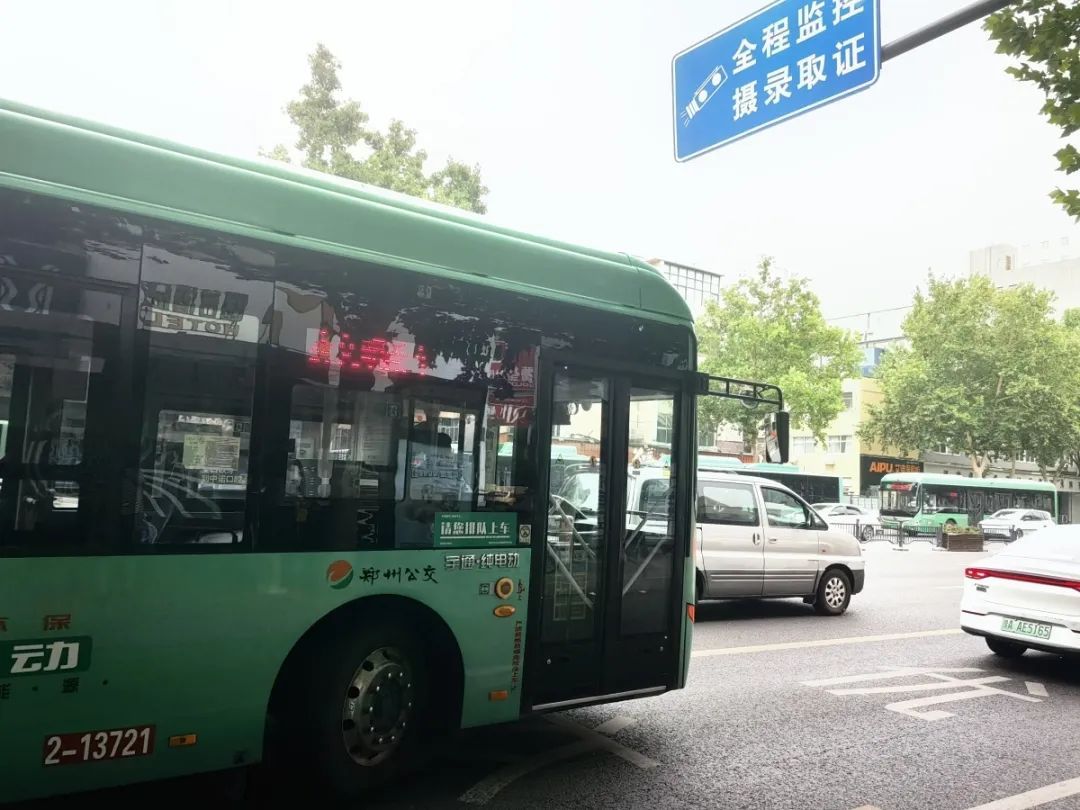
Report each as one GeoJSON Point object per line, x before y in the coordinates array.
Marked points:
{"type": "Point", "coordinates": [1053, 264]}
{"type": "Point", "coordinates": [696, 286]}
{"type": "Point", "coordinates": [859, 464]}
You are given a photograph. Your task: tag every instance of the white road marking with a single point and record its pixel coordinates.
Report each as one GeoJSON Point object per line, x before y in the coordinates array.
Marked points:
{"type": "Point", "coordinates": [1036, 689]}
{"type": "Point", "coordinates": [971, 688]}
{"type": "Point", "coordinates": [880, 676]}
{"type": "Point", "coordinates": [823, 642]}
{"type": "Point", "coordinates": [484, 790]}
{"type": "Point", "coordinates": [918, 687]}
{"type": "Point", "coordinates": [600, 740]}
{"type": "Point", "coordinates": [615, 725]}
{"type": "Point", "coordinates": [589, 740]}
{"type": "Point", "coordinates": [1035, 798]}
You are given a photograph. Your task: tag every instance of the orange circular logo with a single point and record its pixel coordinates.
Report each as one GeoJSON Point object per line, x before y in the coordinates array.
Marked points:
{"type": "Point", "coordinates": [339, 574]}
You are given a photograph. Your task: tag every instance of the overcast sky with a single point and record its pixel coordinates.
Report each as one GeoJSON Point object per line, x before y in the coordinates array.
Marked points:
{"type": "Point", "coordinates": [567, 107]}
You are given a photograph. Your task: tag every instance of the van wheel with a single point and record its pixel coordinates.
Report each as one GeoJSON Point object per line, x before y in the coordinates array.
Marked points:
{"type": "Point", "coordinates": [1006, 649]}
{"type": "Point", "coordinates": [833, 593]}
{"type": "Point", "coordinates": [357, 715]}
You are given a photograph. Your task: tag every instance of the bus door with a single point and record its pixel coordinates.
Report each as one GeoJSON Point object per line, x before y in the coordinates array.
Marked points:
{"type": "Point", "coordinates": [608, 561]}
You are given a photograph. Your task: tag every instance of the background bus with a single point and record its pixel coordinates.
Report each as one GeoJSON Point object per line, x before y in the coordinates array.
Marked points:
{"type": "Point", "coordinates": [253, 501]}
{"type": "Point", "coordinates": [921, 502]}
{"type": "Point", "coordinates": [813, 488]}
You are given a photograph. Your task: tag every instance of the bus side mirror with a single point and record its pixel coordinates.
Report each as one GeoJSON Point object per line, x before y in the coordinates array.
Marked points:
{"type": "Point", "coordinates": [777, 432]}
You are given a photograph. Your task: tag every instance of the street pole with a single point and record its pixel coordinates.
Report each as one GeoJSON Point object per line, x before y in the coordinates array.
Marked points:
{"type": "Point", "coordinates": [958, 19]}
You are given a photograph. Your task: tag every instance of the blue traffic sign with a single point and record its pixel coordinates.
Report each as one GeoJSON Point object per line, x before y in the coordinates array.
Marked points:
{"type": "Point", "coordinates": [779, 62]}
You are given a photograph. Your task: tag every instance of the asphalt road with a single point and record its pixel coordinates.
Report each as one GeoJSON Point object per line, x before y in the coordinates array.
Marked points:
{"type": "Point", "coordinates": [766, 722]}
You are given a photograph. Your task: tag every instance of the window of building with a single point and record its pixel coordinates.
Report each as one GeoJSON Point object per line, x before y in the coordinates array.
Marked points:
{"type": "Point", "coordinates": [706, 436]}
{"type": "Point", "coordinates": [848, 398]}
{"type": "Point", "coordinates": [838, 444]}
{"type": "Point", "coordinates": [664, 420]}
{"type": "Point", "coordinates": [803, 444]}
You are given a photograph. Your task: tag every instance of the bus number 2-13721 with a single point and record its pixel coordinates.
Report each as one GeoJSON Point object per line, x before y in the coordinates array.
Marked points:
{"type": "Point", "coordinates": [97, 746]}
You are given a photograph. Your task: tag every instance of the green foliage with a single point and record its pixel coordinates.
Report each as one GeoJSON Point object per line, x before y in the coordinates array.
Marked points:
{"type": "Point", "coordinates": [1044, 36]}
{"type": "Point", "coordinates": [770, 329]}
{"type": "Point", "coordinates": [989, 373]}
{"type": "Point", "coordinates": [334, 137]}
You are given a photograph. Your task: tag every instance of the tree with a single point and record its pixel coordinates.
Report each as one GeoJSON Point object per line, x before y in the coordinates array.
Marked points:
{"type": "Point", "coordinates": [334, 137]}
{"type": "Point", "coordinates": [770, 329]}
{"type": "Point", "coordinates": [1070, 458]}
{"type": "Point", "coordinates": [987, 373]}
{"type": "Point", "coordinates": [1044, 35]}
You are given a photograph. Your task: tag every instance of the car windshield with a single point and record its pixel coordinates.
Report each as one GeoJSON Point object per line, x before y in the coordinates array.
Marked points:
{"type": "Point", "coordinates": [1004, 513]}
{"type": "Point", "coordinates": [817, 507]}
{"type": "Point", "coordinates": [582, 490]}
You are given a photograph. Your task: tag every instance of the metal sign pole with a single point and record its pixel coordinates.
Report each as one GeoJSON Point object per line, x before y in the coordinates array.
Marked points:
{"type": "Point", "coordinates": [958, 19]}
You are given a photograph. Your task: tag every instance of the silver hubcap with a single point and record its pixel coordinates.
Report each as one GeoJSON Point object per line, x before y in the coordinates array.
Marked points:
{"type": "Point", "coordinates": [835, 592]}
{"type": "Point", "coordinates": [378, 706]}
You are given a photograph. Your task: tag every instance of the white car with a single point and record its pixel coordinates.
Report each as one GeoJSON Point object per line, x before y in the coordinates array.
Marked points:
{"type": "Point", "coordinates": [1028, 595]}
{"type": "Point", "coordinates": [863, 523]}
{"type": "Point", "coordinates": [1010, 523]}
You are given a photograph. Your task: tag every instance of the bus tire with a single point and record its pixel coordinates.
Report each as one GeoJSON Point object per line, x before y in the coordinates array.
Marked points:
{"type": "Point", "coordinates": [358, 719]}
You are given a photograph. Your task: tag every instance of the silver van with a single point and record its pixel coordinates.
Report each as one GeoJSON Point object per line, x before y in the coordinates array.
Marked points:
{"type": "Point", "coordinates": [757, 538]}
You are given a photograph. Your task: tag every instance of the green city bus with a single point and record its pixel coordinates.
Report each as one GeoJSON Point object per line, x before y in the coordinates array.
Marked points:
{"type": "Point", "coordinates": [277, 462]}
{"type": "Point", "coordinates": [919, 503]}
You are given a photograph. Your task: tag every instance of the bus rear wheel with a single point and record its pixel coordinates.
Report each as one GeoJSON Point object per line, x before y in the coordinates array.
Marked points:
{"type": "Point", "coordinates": [360, 711]}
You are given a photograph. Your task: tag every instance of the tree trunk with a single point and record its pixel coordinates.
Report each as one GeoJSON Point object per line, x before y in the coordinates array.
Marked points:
{"type": "Point", "coordinates": [978, 466]}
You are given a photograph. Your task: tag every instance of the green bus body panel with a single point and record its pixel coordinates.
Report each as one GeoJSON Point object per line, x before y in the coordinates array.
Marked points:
{"type": "Point", "coordinates": [85, 162]}
{"type": "Point", "coordinates": [192, 644]}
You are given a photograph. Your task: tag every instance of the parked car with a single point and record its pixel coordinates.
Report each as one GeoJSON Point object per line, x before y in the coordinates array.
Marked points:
{"type": "Point", "coordinates": [1012, 523]}
{"type": "Point", "coordinates": [759, 539]}
{"type": "Point", "coordinates": [848, 517]}
{"type": "Point", "coordinates": [1027, 596]}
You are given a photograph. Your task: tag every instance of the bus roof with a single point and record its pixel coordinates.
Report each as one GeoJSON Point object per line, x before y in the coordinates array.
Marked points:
{"type": "Point", "coordinates": [732, 464]}
{"type": "Point", "coordinates": [92, 163]}
{"type": "Point", "coordinates": [964, 481]}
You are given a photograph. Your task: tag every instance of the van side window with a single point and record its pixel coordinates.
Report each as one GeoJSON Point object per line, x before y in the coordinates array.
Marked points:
{"type": "Point", "coordinates": [783, 509]}
{"type": "Point", "coordinates": [727, 504]}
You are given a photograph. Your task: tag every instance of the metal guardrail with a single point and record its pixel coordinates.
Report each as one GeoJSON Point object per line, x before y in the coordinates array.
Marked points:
{"type": "Point", "coordinates": [901, 536]}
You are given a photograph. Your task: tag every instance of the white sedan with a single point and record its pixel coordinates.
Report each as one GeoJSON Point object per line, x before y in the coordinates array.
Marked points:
{"type": "Point", "coordinates": [1011, 523]}
{"type": "Point", "coordinates": [1028, 595]}
{"type": "Point", "coordinates": [846, 516]}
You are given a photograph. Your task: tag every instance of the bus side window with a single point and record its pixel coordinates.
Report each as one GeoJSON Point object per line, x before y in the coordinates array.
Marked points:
{"type": "Point", "coordinates": [381, 419]}
{"type": "Point", "coordinates": [62, 373]}
{"type": "Point", "coordinates": [201, 322]}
